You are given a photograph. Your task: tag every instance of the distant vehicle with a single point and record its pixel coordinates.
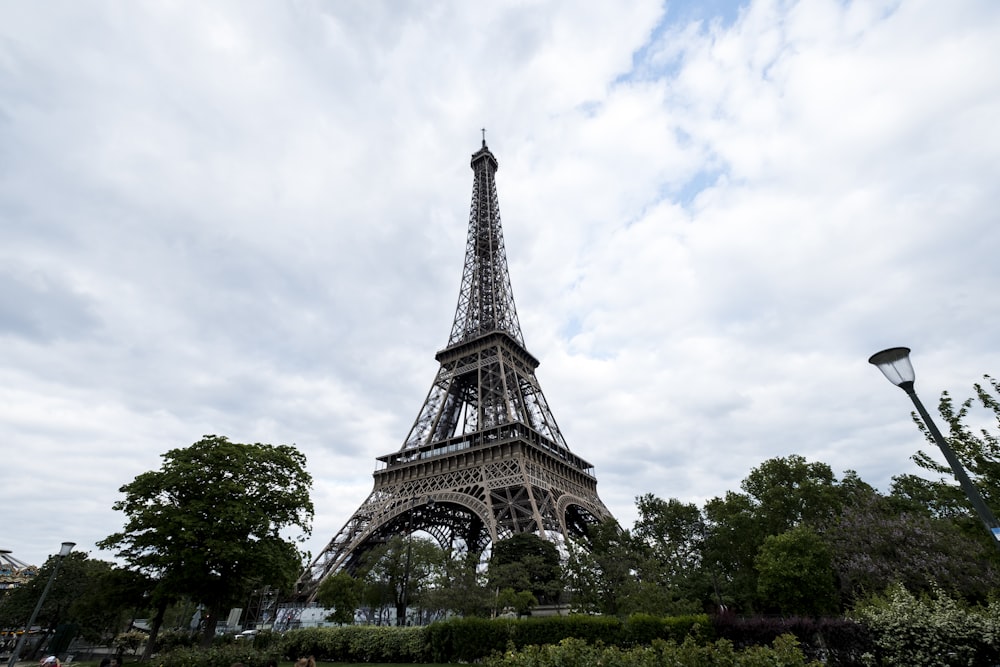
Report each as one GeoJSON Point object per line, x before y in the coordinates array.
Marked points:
{"type": "Point", "coordinates": [247, 634]}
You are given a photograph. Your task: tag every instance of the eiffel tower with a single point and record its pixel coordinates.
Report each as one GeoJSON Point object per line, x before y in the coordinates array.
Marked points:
{"type": "Point", "coordinates": [484, 459]}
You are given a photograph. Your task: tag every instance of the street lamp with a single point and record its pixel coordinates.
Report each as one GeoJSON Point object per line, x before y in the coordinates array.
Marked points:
{"type": "Point", "coordinates": [63, 552]}
{"type": "Point", "coordinates": [895, 365]}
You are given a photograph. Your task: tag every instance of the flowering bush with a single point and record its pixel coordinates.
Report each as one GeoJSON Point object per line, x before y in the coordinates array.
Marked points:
{"type": "Point", "coordinates": [930, 630]}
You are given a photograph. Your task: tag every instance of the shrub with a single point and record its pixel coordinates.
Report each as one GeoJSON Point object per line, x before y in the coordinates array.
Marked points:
{"type": "Point", "coordinates": [168, 640]}
{"type": "Point", "coordinates": [130, 641]}
{"type": "Point", "coordinates": [213, 657]}
{"type": "Point", "coordinates": [578, 653]}
{"type": "Point", "coordinates": [467, 639]}
{"type": "Point", "coordinates": [553, 629]}
{"type": "Point", "coordinates": [835, 641]}
{"type": "Point", "coordinates": [644, 628]}
{"type": "Point", "coordinates": [930, 630]}
{"type": "Point", "coordinates": [360, 643]}
{"type": "Point", "coordinates": [470, 639]}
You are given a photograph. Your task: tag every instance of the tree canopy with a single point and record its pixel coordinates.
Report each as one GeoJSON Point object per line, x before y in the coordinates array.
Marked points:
{"type": "Point", "coordinates": [211, 522]}
{"type": "Point", "coordinates": [92, 595]}
{"type": "Point", "coordinates": [525, 562]}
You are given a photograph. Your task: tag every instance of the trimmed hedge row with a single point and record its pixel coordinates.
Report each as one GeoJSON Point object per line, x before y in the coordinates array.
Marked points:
{"type": "Point", "coordinates": [835, 642]}
{"type": "Point", "coordinates": [471, 639]}
{"type": "Point", "coordinates": [193, 656]}
{"type": "Point", "coordinates": [358, 643]}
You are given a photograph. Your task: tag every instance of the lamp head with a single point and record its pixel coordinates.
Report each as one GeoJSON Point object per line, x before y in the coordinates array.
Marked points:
{"type": "Point", "coordinates": [66, 548]}
{"type": "Point", "coordinates": [895, 366]}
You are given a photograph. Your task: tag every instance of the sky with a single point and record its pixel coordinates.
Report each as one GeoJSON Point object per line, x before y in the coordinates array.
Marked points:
{"type": "Point", "coordinates": [248, 218]}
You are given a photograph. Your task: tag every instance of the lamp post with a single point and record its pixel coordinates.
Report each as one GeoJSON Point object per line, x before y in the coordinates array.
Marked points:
{"type": "Point", "coordinates": [895, 365]}
{"type": "Point", "coordinates": [63, 552]}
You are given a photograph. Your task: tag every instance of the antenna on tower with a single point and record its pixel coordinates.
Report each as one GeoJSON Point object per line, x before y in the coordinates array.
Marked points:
{"type": "Point", "coordinates": [484, 137]}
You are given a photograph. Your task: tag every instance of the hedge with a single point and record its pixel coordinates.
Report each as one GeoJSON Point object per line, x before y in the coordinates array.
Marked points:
{"type": "Point", "coordinates": [471, 639]}
{"type": "Point", "coordinates": [229, 654]}
{"type": "Point", "coordinates": [834, 641]}
{"type": "Point", "coordinates": [358, 643]}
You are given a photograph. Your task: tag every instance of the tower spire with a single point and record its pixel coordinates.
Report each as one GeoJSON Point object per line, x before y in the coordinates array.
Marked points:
{"type": "Point", "coordinates": [485, 298]}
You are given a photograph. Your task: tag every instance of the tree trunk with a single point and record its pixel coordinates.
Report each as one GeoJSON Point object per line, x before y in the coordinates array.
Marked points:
{"type": "Point", "coordinates": [154, 630]}
{"type": "Point", "coordinates": [208, 631]}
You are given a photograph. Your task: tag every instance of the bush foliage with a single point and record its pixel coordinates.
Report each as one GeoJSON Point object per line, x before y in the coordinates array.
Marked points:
{"type": "Point", "coordinates": [358, 643]}
{"type": "Point", "coordinates": [898, 628]}
{"type": "Point", "coordinates": [226, 654]}
{"type": "Point", "coordinates": [471, 639]}
{"type": "Point", "coordinates": [578, 653]}
{"type": "Point", "coordinates": [835, 641]}
{"type": "Point", "coordinates": [930, 629]}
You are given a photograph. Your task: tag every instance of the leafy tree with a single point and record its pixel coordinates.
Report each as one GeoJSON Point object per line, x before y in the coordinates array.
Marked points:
{"type": "Point", "coordinates": [785, 492]}
{"type": "Point", "coordinates": [91, 595]}
{"type": "Point", "coordinates": [113, 595]}
{"type": "Point", "coordinates": [796, 574]}
{"type": "Point", "coordinates": [878, 541]}
{"type": "Point", "coordinates": [399, 572]}
{"type": "Point", "coordinates": [603, 574]}
{"type": "Point", "coordinates": [521, 602]}
{"type": "Point", "coordinates": [458, 586]}
{"type": "Point", "coordinates": [977, 449]}
{"type": "Point", "coordinates": [778, 495]}
{"type": "Point", "coordinates": [209, 522]}
{"type": "Point", "coordinates": [342, 592]}
{"type": "Point", "coordinates": [526, 562]}
{"type": "Point", "coordinates": [674, 535]}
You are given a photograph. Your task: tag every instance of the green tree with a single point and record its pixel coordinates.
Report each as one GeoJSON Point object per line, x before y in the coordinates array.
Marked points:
{"type": "Point", "coordinates": [92, 596]}
{"type": "Point", "coordinates": [603, 572]}
{"type": "Point", "coordinates": [209, 523]}
{"type": "Point", "coordinates": [342, 593]}
{"type": "Point", "coordinates": [399, 572]}
{"type": "Point", "coordinates": [880, 540]}
{"type": "Point", "coordinates": [777, 496]}
{"type": "Point", "coordinates": [111, 597]}
{"type": "Point", "coordinates": [526, 562]}
{"type": "Point", "coordinates": [520, 602]}
{"type": "Point", "coordinates": [796, 574]}
{"type": "Point", "coordinates": [458, 586]}
{"type": "Point", "coordinates": [977, 449]}
{"type": "Point", "coordinates": [674, 534]}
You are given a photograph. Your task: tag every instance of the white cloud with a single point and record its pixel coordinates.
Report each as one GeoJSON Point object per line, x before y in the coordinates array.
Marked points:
{"type": "Point", "coordinates": [249, 219]}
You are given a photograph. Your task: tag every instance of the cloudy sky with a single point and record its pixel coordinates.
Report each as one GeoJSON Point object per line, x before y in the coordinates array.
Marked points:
{"type": "Point", "coordinates": [248, 219]}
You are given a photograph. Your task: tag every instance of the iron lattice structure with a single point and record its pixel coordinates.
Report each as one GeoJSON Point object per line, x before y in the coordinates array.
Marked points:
{"type": "Point", "coordinates": [485, 458]}
{"type": "Point", "coordinates": [14, 572]}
